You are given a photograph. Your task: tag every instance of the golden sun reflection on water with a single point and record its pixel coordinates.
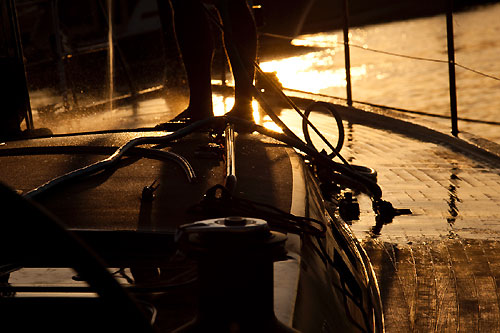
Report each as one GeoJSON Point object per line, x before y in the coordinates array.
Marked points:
{"type": "Point", "coordinates": [313, 72]}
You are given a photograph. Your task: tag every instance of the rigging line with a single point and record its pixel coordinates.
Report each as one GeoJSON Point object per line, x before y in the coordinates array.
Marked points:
{"type": "Point", "coordinates": [268, 34]}
{"type": "Point", "coordinates": [422, 59]}
{"type": "Point", "coordinates": [356, 178]}
{"type": "Point", "coordinates": [396, 54]}
{"type": "Point", "coordinates": [305, 119]}
{"type": "Point", "coordinates": [256, 92]}
{"type": "Point", "coordinates": [422, 113]}
{"type": "Point", "coordinates": [392, 54]}
{"type": "Point", "coordinates": [262, 101]}
{"type": "Point", "coordinates": [362, 47]}
{"type": "Point", "coordinates": [477, 72]}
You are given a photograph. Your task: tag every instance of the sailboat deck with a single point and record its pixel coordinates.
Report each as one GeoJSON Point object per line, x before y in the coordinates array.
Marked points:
{"type": "Point", "coordinates": [438, 268]}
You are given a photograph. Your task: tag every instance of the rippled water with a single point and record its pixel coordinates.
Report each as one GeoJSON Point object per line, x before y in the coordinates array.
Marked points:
{"type": "Point", "coordinates": [407, 83]}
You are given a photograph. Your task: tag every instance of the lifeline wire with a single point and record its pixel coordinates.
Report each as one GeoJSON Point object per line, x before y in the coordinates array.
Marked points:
{"type": "Point", "coordinates": [488, 122]}
{"type": "Point", "coordinates": [394, 54]}
{"type": "Point", "coordinates": [422, 59]}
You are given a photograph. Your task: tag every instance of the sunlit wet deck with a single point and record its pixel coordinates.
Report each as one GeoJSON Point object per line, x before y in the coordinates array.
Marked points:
{"type": "Point", "coordinates": [450, 194]}
{"type": "Point", "coordinates": [438, 268]}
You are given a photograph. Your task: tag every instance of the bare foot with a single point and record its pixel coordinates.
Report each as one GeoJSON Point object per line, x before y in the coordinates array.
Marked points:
{"type": "Point", "coordinates": [244, 112]}
{"type": "Point", "coordinates": [189, 115]}
{"type": "Point", "coordinates": [184, 118]}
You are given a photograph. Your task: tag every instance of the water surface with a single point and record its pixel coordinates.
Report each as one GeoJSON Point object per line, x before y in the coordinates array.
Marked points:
{"type": "Point", "coordinates": [402, 82]}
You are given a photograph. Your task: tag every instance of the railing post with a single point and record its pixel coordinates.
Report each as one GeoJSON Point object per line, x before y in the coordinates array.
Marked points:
{"type": "Point", "coordinates": [59, 53]}
{"type": "Point", "coordinates": [451, 68]}
{"type": "Point", "coordinates": [346, 52]}
{"type": "Point", "coordinates": [14, 94]}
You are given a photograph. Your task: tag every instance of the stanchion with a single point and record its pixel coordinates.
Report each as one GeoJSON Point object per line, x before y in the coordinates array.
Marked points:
{"type": "Point", "coordinates": [346, 52]}
{"type": "Point", "coordinates": [451, 68]}
{"type": "Point", "coordinates": [13, 86]}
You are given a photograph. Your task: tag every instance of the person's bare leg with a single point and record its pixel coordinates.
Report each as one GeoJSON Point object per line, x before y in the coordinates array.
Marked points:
{"type": "Point", "coordinates": [241, 46]}
{"type": "Point", "coordinates": [196, 45]}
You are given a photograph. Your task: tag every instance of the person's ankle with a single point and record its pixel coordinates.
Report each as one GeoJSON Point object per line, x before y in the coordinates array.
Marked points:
{"type": "Point", "coordinates": [243, 111]}
{"type": "Point", "coordinates": [194, 114]}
